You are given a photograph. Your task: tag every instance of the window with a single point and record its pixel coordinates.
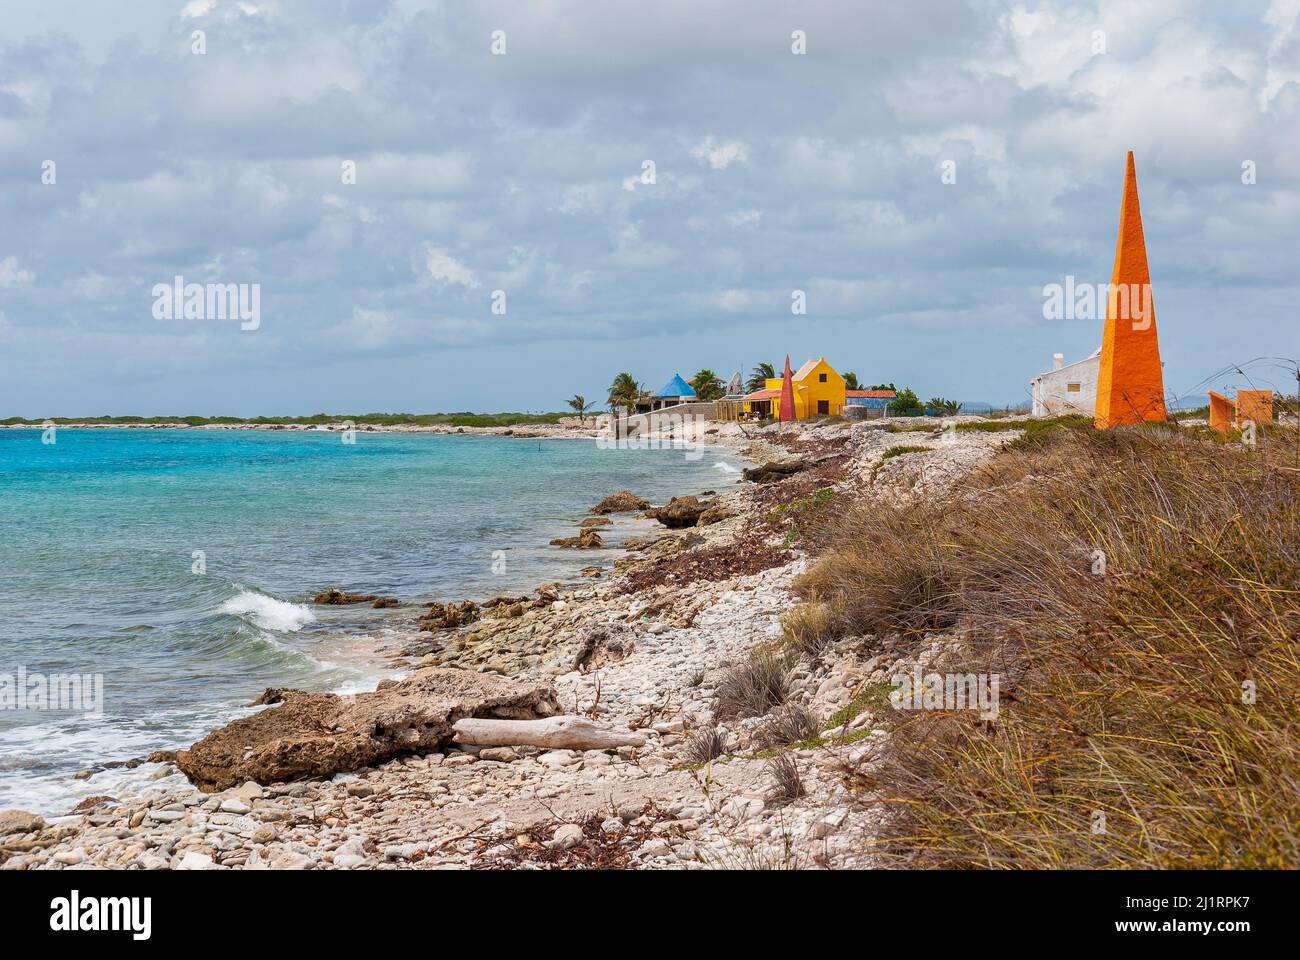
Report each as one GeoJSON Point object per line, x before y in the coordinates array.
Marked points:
{"type": "Point", "coordinates": [821, 378]}
{"type": "Point", "coordinates": [1073, 387]}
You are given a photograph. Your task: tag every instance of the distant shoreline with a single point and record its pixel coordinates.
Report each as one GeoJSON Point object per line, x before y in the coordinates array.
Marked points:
{"type": "Point", "coordinates": [523, 426]}
{"type": "Point", "coordinates": [460, 419]}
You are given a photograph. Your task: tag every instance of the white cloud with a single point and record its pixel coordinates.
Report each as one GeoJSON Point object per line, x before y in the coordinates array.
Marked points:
{"type": "Point", "coordinates": [719, 156]}
{"type": "Point", "coordinates": [443, 266]}
{"type": "Point", "coordinates": [11, 274]}
{"type": "Point", "coordinates": [743, 218]}
{"type": "Point", "coordinates": [197, 8]}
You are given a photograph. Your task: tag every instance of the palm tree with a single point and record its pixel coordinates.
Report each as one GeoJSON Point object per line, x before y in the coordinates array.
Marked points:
{"type": "Point", "coordinates": [708, 385]}
{"type": "Point", "coordinates": [758, 379]}
{"type": "Point", "coordinates": [581, 407]}
{"type": "Point", "coordinates": [623, 392]}
{"type": "Point", "coordinates": [851, 381]}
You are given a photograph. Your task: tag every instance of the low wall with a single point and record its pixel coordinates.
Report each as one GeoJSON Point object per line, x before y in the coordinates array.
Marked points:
{"type": "Point", "coordinates": [679, 419]}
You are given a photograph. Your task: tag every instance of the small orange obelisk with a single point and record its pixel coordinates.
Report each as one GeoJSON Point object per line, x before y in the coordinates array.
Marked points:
{"type": "Point", "coordinates": [787, 394]}
{"type": "Point", "coordinates": [1130, 385]}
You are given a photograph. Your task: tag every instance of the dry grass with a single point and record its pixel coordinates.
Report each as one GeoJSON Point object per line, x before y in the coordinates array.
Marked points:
{"type": "Point", "coordinates": [787, 785]}
{"type": "Point", "coordinates": [753, 687]}
{"type": "Point", "coordinates": [704, 745]}
{"type": "Point", "coordinates": [1125, 695]}
{"type": "Point", "coordinates": [790, 725]}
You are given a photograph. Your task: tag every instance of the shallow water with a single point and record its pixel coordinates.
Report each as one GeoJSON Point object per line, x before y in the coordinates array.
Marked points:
{"type": "Point", "coordinates": [176, 564]}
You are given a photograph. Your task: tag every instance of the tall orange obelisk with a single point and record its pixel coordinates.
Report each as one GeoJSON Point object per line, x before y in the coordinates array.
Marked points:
{"type": "Point", "coordinates": [1130, 385]}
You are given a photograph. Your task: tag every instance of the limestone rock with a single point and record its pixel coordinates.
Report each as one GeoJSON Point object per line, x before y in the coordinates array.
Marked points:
{"type": "Point", "coordinates": [321, 734]}
{"type": "Point", "coordinates": [680, 512]}
{"type": "Point", "coordinates": [776, 470]}
{"type": "Point", "coordinates": [587, 539]}
{"type": "Point", "coordinates": [19, 821]}
{"type": "Point", "coordinates": [449, 615]}
{"type": "Point", "coordinates": [336, 597]}
{"type": "Point", "coordinates": [621, 502]}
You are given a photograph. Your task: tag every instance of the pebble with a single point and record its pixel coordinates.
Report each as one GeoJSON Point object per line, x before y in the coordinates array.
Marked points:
{"type": "Point", "coordinates": [558, 758]}
{"type": "Point", "coordinates": [195, 861]}
{"type": "Point", "coordinates": [565, 836]}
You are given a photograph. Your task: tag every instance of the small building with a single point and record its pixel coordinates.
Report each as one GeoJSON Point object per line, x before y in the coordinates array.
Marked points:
{"type": "Point", "coordinates": [673, 392]}
{"type": "Point", "coordinates": [1067, 388]}
{"type": "Point", "coordinates": [818, 392]}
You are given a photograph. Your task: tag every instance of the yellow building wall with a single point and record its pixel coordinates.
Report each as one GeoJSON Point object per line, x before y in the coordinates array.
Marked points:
{"type": "Point", "coordinates": [810, 389]}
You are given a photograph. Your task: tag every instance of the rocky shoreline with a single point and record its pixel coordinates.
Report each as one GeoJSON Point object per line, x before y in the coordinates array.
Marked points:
{"type": "Point", "coordinates": [377, 780]}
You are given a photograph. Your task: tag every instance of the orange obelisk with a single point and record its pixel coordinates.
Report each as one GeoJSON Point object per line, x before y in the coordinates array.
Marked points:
{"type": "Point", "coordinates": [787, 394]}
{"type": "Point", "coordinates": [1130, 385]}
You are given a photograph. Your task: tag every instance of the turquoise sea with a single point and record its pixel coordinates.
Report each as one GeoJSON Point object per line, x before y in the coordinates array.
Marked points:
{"type": "Point", "coordinates": [99, 573]}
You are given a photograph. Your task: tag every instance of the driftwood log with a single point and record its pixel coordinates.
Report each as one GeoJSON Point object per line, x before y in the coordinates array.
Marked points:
{"type": "Point", "coordinates": [556, 733]}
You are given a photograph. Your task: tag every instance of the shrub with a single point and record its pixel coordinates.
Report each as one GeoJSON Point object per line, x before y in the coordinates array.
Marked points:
{"type": "Point", "coordinates": [789, 726]}
{"type": "Point", "coordinates": [787, 786]}
{"type": "Point", "coordinates": [704, 745]}
{"type": "Point", "coordinates": [753, 687]}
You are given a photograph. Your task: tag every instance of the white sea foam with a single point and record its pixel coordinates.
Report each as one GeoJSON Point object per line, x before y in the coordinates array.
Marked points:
{"type": "Point", "coordinates": [725, 467]}
{"type": "Point", "coordinates": [268, 612]}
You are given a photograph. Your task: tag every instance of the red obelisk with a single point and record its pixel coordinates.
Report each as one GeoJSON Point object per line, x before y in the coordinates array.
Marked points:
{"type": "Point", "coordinates": [787, 393]}
{"type": "Point", "coordinates": [1130, 385]}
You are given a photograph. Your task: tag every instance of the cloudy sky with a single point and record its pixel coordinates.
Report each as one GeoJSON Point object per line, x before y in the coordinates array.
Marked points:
{"type": "Point", "coordinates": [524, 173]}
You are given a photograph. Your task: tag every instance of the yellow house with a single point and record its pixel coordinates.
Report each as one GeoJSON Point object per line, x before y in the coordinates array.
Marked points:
{"type": "Point", "coordinates": [818, 392]}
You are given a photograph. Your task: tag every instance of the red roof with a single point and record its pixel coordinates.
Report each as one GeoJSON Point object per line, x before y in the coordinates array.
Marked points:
{"type": "Point", "coordinates": [872, 394]}
{"type": "Point", "coordinates": [773, 394]}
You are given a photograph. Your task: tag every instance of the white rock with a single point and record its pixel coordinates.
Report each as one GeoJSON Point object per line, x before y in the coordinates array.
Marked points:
{"type": "Point", "coordinates": [235, 805]}
{"type": "Point", "coordinates": [558, 758]}
{"type": "Point", "coordinates": [70, 857]}
{"type": "Point", "coordinates": [566, 835]}
{"type": "Point", "coordinates": [743, 808]}
{"type": "Point", "coordinates": [828, 824]}
{"type": "Point", "coordinates": [654, 848]}
{"type": "Point", "coordinates": [195, 861]}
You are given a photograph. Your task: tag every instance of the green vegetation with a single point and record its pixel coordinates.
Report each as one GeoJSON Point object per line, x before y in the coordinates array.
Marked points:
{"type": "Point", "coordinates": [708, 385]}
{"type": "Point", "coordinates": [624, 391]}
{"type": "Point", "coordinates": [906, 404]}
{"type": "Point", "coordinates": [758, 379]}
{"type": "Point", "coordinates": [819, 499]}
{"type": "Point", "coordinates": [939, 407]}
{"type": "Point", "coordinates": [580, 406]}
{"type": "Point", "coordinates": [874, 696]}
{"type": "Point", "coordinates": [896, 451]}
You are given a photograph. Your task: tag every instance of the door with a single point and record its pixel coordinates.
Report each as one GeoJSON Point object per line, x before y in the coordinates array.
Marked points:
{"type": "Point", "coordinates": [823, 407]}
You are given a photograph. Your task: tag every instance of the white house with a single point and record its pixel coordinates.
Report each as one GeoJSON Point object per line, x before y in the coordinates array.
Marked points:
{"type": "Point", "coordinates": [1067, 388]}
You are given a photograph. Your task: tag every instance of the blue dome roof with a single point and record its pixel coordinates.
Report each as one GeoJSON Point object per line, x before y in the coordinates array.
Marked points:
{"type": "Point", "coordinates": [676, 387]}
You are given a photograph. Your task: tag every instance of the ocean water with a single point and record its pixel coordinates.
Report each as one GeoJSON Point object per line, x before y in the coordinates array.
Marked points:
{"type": "Point", "coordinates": [177, 565]}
